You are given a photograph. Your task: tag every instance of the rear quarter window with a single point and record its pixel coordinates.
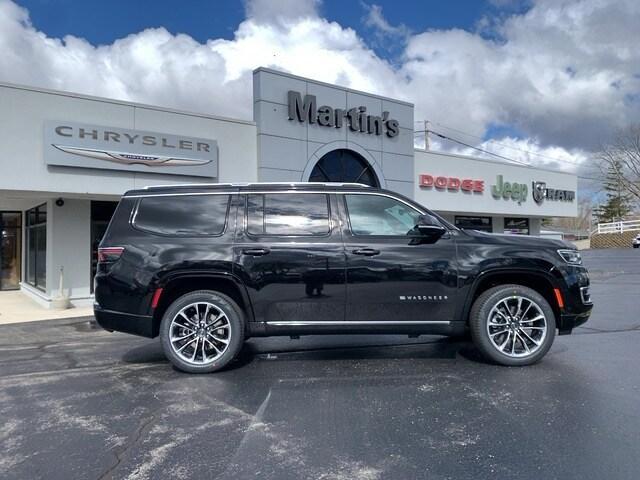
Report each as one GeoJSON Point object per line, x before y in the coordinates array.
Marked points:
{"type": "Point", "coordinates": [183, 216]}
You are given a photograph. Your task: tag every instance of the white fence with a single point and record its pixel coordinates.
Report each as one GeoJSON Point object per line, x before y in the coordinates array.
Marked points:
{"type": "Point", "coordinates": [618, 227]}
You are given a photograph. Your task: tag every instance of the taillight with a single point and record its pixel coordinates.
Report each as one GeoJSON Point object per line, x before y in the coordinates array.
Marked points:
{"type": "Point", "coordinates": [109, 254]}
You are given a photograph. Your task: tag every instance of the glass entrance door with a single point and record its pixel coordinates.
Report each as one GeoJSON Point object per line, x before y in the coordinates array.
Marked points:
{"type": "Point", "coordinates": [36, 257]}
{"type": "Point", "coordinates": [101, 213]}
{"type": "Point", "coordinates": [10, 250]}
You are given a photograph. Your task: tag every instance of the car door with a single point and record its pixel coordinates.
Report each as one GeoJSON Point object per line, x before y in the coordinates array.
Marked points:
{"type": "Point", "coordinates": [291, 257]}
{"type": "Point", "coordinates": [394, 276]}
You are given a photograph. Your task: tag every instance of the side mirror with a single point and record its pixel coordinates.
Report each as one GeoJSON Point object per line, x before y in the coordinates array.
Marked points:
{"type": "Point", "coordinates": [430, 228]}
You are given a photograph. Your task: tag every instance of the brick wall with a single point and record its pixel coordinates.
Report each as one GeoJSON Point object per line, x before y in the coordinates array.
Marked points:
{"type": "Point", "coordinates": [613, 240]}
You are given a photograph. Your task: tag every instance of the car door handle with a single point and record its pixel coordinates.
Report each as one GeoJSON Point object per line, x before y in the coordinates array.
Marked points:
{"type": "Point", "coordinates": [255, 252]}
{"type": "Point", "coordinates": [367, 252]}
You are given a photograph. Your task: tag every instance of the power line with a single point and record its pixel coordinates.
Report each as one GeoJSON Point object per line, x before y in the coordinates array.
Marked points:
{"type": "Point", "coordinates": [478, 148]}
{"type": "Point", "coordinates": [529, 152]}
{"type": "Point", "coordinates": [445, 137]}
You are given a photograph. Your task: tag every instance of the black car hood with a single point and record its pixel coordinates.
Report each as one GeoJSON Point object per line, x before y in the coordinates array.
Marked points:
{"type": "Point", "coordinates": [523, 240]}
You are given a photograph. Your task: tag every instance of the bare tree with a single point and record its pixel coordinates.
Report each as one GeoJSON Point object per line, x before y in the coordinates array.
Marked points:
{"type": "Point", "coordinates": [622, 158]}
{"type": "Point", "coordinates": [580, 223]}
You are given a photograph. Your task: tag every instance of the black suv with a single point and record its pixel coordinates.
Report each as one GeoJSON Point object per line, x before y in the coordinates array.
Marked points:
{"type": "Point", "coordinates": [208, 266]}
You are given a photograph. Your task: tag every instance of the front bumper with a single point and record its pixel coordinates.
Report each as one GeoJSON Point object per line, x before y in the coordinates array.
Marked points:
{"type": "Point", "coordinates": [568, 322]}
{"type": "Point", "coordinates": [124, 322]}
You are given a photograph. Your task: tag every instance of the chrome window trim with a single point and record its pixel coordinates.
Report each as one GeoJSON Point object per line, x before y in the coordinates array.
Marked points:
{"type": "Point", "coordinates": [249, 184]}
{"type": "Point", "coordinates": [382, 194]}
{"type": "Point", "coordinates": [227, 192]}
{"type": "Point", "coordinates": [360, 322]}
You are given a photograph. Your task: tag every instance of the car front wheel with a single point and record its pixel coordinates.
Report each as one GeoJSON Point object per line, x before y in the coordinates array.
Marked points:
{"type": "Point", "coordinates": [512, 325]}
{"type": "Point", "coordinates": [202, 331]}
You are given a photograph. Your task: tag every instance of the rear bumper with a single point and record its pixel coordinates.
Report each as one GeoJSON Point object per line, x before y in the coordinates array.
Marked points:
{"type": "Point", "coordinates": [124, 322]}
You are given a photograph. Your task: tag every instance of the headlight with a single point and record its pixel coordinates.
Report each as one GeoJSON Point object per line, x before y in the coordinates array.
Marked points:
{"type": "Point", "coordinates": [572, 257]}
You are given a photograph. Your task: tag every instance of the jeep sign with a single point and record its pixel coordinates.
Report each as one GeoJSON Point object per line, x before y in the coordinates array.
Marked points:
{"type": "Point", "coordinates": [507, 190]}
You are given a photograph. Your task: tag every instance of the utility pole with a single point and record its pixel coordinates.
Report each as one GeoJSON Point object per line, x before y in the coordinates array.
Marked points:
{"type": "Point", "coordinates": [426, 134]}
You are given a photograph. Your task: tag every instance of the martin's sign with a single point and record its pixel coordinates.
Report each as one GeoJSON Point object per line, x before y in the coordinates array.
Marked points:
{"type": "Point", "coordinates": [356, 118]}
{"type": "Point", "coordinates": [72, 144]}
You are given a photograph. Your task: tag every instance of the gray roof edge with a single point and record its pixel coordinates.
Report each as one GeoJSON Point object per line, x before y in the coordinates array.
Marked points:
{"type": "Point", "coordinates": [122, 102]}
{"type": "Point", "coordinates": [326, 84]}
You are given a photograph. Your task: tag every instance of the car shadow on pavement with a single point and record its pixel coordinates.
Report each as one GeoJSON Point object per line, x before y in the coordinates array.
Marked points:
{"type": "Point", "coordinates": [148, 353]}
{"type": "Point", "coordinates": [283, 349]}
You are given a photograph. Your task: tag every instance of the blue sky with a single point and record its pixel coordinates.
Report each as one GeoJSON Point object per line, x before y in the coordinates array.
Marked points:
{"type": "Point", "coordinates": [102, 22]}
{"type": "Point", "coordinates": [544, 82]}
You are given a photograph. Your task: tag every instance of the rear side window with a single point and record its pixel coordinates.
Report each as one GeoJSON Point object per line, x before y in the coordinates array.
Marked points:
{"type": "Point", "coordinates": [185, 215]}
{"type": "Point", "coordinates": [288, 214]}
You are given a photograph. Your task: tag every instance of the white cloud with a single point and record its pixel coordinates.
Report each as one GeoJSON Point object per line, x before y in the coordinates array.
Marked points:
{"type": "Point", "coordinates": [376, 20]}
{"type": "Point", "coordinates": [277, 10]}
{"type": "Point", "coordinates": [527, 151]}
{"type": "Point", "coordinates": [565, 73]}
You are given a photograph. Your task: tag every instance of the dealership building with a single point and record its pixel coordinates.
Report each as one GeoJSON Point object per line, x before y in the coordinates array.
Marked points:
{"type": "Point", "coordinates": [65, 159]}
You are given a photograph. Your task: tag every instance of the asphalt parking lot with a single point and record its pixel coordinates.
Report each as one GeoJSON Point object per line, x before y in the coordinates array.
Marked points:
{"type": "Point", "coordinates": [78, 402]}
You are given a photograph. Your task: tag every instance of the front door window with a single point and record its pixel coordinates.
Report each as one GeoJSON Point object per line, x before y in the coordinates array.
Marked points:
{"type": "Point", "coordinates": [379, 215]}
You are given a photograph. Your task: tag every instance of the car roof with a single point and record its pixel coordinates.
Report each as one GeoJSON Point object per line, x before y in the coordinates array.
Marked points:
{"type": "Point", "coordinates": [240, 187]}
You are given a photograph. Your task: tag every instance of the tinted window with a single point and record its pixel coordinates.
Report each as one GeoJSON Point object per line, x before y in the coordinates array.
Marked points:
{"type": "Point", "coordinates": [378, 215]}
{"type": "Point", "coordinates": [288, 214]}
{"type": "Point", "coordinates": [516, 226]}
{"type": "Point", "coordinates": [190, 215]}
{"type": "Point", "coordinates": [483, 224]}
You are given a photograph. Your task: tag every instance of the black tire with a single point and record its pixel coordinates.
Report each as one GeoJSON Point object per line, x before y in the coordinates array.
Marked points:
{"type": "Point", "coordinates": [479, 318]}
{"type": "Point", "coordinates": [236, 322]}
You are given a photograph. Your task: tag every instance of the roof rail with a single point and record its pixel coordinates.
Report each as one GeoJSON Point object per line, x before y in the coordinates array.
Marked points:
{"type": "Point", "coordinates": [249, 184]}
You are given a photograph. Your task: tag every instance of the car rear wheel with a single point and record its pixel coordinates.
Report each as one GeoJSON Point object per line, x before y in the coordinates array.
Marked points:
{"type": "Point", "coordinates": [202, 331]}
{"type": "Point", "coordinates": [512, 325]}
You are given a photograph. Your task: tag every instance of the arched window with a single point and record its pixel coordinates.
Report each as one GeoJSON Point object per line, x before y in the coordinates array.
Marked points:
{"type": "Point", "coordinates": [344, 165]}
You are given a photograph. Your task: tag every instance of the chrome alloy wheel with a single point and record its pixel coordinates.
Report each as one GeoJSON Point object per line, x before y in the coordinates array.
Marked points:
{"type": "Point", "coordinates": [517, 326]}
{"type": "Point", "coordinates": [200, 333]}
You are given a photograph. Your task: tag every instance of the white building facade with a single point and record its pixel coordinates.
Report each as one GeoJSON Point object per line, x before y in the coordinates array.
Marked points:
{"type": "Point", "coordinates": [65, 159]}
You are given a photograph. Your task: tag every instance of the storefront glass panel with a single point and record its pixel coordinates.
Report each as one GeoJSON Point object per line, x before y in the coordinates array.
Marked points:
{"type": "Point", "coordinates": [10, 250]}
{"type": "Point", "coordinates": [516, 226]}
{"type": "Point", "coordinates": [101, 213]}
{"type": "Point", "coordinates": [37, 247]}
{"type": "Point", "coordinates": [482, 224]}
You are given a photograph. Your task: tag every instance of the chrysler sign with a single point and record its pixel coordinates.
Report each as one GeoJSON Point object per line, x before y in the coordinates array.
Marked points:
{"type": "Point", "coordinates": [72, 144]}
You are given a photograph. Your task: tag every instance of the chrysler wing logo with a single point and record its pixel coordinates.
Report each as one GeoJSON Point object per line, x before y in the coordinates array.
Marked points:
{"type": "Point", "coordinates": [127, 158]}
{"type": "Point", "coordinates": [539, 190]}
